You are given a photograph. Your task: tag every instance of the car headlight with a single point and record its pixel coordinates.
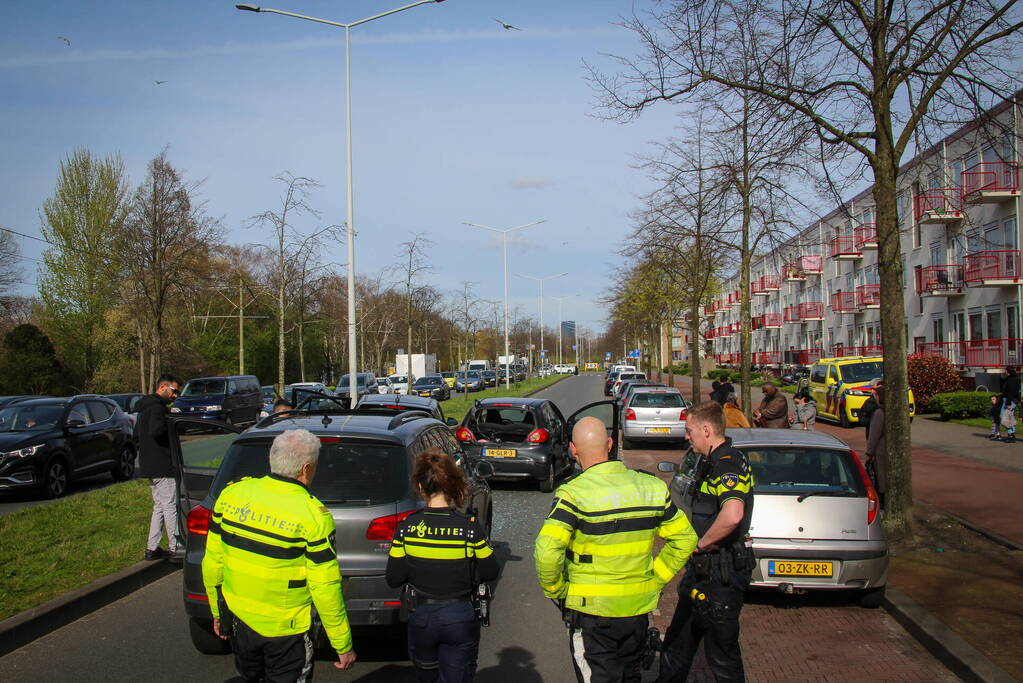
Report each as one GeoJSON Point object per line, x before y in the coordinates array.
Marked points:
{"type": "Point", "coordinates": [175, 409]}
{"type": "Point", "coordinates": [24, 452]}
{"type": "Point", "coordinates": [212, 409]}
{"type": "Point", "coordinates": [858, 392]}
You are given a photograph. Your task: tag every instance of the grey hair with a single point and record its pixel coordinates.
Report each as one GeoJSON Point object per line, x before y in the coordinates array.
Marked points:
{"type": "Point", "coordinates": [293, 449]}
{"type": "Point", "coordinates": [732, 398]}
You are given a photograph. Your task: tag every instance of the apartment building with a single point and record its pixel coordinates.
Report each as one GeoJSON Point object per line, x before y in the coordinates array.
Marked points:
{"type": "Point", "coordinates": [959, 211]}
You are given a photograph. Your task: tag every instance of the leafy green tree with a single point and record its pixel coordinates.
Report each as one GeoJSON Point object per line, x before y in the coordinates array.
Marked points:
{"type": "Point", "coordinates": [29, 364]}
{"type": "Point", "coordinates": [78, 281]}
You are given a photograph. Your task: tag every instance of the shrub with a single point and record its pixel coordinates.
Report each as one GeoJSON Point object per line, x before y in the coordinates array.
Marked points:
{"type": "Point", "coordinates": [960, 404]}
{"type": "Point", "coordinates": [677, 369]}
{"type": "Point", "coordinates": [719, 374]}
{"type": "Point", "coordinates": [761, 381]}
{"type": "Point", "coordinates": [930, 375]}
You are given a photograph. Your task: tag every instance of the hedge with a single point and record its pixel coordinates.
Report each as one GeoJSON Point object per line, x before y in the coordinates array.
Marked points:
{"type": "Point", "coordinates": [960, 404]}
{"type": "Point", "coordinates": [677, 369]}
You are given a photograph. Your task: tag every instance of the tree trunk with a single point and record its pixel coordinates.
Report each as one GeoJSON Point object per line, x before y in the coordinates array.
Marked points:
{"type": "Point", "coordinates": [280, 333]}
{"type": "Point", "coordinates": [301, 352]}
{"type": "Point", "coordinates": [695, 342]}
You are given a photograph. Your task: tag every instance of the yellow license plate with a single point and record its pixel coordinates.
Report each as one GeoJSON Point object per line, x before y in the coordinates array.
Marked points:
{"type": "Point", "coordinates": [658, 430]}
{"type": "Point", "coordinates": [424, 393]}
{"type": "Point", "coordinates": [779, 568]}
{"type": "Point", "coordinates": [499, 452]}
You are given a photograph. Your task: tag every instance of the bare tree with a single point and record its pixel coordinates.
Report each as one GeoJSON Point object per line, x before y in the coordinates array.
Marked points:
{"type": "Point", "coordinates": [411, 267]}
{"type": "Point", "coordinates": [866, 76]}
{"type": "Point", "coordinates": [10, 271]}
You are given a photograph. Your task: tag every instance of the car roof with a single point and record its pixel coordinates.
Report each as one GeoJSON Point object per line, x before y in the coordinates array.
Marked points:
{"type": "Point", "coordinates": [511, 401]}
{"type": "Point", "coordinates": [846, 360]}
{"type": "Point", "coordinates": [783, 437]}
{"type": "Point", "coordinates": [396, 428]}
{"type": "Point", "coordinates": [399, 399]}
{"type": "Point", "coordinates": [45, 401]}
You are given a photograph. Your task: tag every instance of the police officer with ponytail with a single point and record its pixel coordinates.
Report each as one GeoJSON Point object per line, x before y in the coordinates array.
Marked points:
{"type": "Point", "coordinates": [440, 556]}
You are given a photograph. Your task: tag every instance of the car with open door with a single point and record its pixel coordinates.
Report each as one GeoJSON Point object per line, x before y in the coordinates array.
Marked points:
{"type": "Point", "coordinates": [363, 477]}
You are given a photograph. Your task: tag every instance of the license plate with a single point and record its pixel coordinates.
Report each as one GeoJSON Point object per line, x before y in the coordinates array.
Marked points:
{"type": "Point", "coordinates": [658, 430]}
{"type": "Point", "coordinates": [424, 393]}
{"type": "Point", "coordinates": [499, 452]}
{"type": "Point", "coordinates": [779, 568]}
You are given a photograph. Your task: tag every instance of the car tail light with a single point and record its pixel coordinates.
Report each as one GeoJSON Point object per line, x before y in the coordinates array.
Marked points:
{"type": "Point", "coordinates": [199, 520]}
{"type": "Point", "coordinates": [537, 435]}
{"type": "Point", "coordinates": [383, 528]}
{"type": "Point", "coordinates": [630, 414]}
{"type": "Point", "coordinates": [684, 415]}
{"type": "Point", "coordinates": [463, 434]}
{"type": "Point", "coordinates": [873, 503]}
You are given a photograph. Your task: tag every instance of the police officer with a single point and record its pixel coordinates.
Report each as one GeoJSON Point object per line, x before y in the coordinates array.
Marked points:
{"type": "Point", "coordinates": [712, 589]}
{"type": "Point", "coordinates": [593, 553]}
{"type": "Point", "coordinates": [441, 556]}
{"type": "Point", "coordinates": [270, 556]}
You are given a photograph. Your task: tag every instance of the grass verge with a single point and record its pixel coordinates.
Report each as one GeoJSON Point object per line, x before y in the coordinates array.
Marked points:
{"type": "Point", "coordinates": [457, 406]}
{"type": "Point", "coordinates": [51, 549]}
{"type": "Point", "coordinates": [983, 422]}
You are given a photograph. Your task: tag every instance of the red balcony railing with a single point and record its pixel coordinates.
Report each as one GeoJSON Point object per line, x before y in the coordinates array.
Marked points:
{"type": "Point", "coordinates": [954, 352]}
{"type": "Point", "coordinates": [942, 205]}
{"type": "Point", "coordinates": [844, 302]}
{"type": "Point", "coordinates": [767, 358]}
{"type": "Point", "coordinates": [990, 180]}
{"type": "Point", "coordinates": [791, 314]}
{"type": "Point", "coordinates": [734, 298]}
{"type": "Point", "coordinates": [865, 236]}
{"type": "Point", "coordinates": [793, 272]}
{"type": "Point", "coordinates": [847, 351]}
{"type": "Point", "coordinates": [868, 296]}
{"type": "Point", "coordinates": [756, 287]}
{"type": "Point", "coordinates": [811, 310]}
{"type": "Point", "coordinates": [940, 280]}
{"type": "Point", "coordinates": [811, 264]}
{"type": "Point", "coordinates": [844, 246]}
{"type": "Point", "coordinates": [771, 321]}
{"type": "Point", "coordinates": [771, 283]}
{"type": "Point", "coordinates": [809, 356]}
{"type": "Point", "coordinates": [977, 353]}
{"type": "Point", "coordinates": [993, 267]}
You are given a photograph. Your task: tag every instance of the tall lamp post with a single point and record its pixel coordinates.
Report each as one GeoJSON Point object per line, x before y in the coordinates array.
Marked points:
{"type": "Point", "coordinates": [541, 280]}
{"type": "Point", "coordinates": [560, 300]}
{"type": "Point", "coordinates": [353, 359]}
{"type": "Point", "coordinates": [504, 250]}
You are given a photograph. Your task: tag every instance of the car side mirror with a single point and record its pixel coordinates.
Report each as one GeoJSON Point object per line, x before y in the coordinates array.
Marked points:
{"type": "Point", "coordinates": [75, 423]}
{"type": "Point", "coordinates": [451, 422]}
{"type": "Point", "coordinates": [483, 469]}
{"type": "Point", "coordinates": [666, 466]}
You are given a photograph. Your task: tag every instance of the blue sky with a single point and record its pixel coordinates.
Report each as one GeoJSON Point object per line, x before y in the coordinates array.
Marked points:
{"type": "Point", "coordinates": [455, 119]}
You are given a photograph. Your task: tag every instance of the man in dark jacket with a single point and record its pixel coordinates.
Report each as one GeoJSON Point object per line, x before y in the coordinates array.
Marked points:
{"type": "Point", "coordinates": [155, 463]}
{"type": "Point", "coordinates": [774, 409]}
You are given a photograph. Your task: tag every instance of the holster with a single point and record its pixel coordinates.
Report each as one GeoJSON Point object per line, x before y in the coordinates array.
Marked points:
{"type": "Point", "coordinates": [408, 602]}
{"type": "Point", "coordinates": [743, 559]}
{"type": "Point", "coordinates": [226, 616]}
{"type": "Point", "coordinates": [480, 599]}
{"type": "Point", "coordinates": [701, 563]}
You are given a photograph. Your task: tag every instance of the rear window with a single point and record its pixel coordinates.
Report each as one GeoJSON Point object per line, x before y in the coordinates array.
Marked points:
{"type": "Point", "coordinates": [205, 387]}
{"type": "Point", "coordinates": [665, 400]}
{"type": "Point", "coordinates": [787, 470]}
{"type": "Point", "coordinates": [631, 375]}
{"type": "Point", "coordinates": [352, 473]}
{"type": "Point", "coordinates": [504, 423]}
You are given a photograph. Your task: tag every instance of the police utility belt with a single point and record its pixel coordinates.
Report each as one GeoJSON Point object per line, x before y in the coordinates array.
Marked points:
{"type": "Point", "coordinates": [411, 599]}
{"type": "Point", "coordinates": [720, 563]}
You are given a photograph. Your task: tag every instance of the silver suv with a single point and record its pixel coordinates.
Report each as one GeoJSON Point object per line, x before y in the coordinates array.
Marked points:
{"type": "Point", "coordinates": [363, 478]}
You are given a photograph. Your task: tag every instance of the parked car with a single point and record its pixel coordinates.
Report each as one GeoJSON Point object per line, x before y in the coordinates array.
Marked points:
{"type": "Point", "coordinates": [399, 383]}
{"type": "Point", "coordinates": [609, 381]}
{"type": "Point", "coordinates": [520, 372]}
{"type": "Point", "coordinates": [524, 438]}
{"type": "Point", "coordinates": [816, 520]}
{"type": "Point", "coordinates": [291, 397]}
{"type": "Point", "coordinates": [473, 381]}
{"type": "Point", "coordinates": [654, 414]}
{"type": "Point", "coordinates": [46, 443]}
{"type": "Point", "coordinates": [126, 402]}
{"type": "Point", "coordinates": [11, 400]}
{"type": "Point", "coordinates": [489, 378]}
{"type": "Point", "coordinates": [431, 386]}
{"type": "Point", "coordinates": [840, 387]}
{"type": "Point", "coordinates": [405, 403]}
{"type": "Point", "coordinates": [385, 385]}
{"type": "Point", "coordinates": [363, 383]}
{"type": "Point", "coordinates": [269, 398]}
{"type": "Point", "coordinates": [363, 478]}
{"type": "Point", "coordinates": [237, 399]}
{"type": "Point", "coordinates": [449, 378]}
{"type": "Point", "coordinates": [631, 385]}
{"type": "Point", "coordinates": [502, 375]}
{"type": "Point", "coordinates": [617, 386]}
{"type": "Point", "coordinates": [546, 370]}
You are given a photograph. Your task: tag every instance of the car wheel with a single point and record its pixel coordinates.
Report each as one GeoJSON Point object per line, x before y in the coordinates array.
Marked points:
{"type": "Point", "coordinates": [843, 418]}
{"type": "Point", "coordinates": [872, 598]}
{"type": "Point", "coordinates": [627, 444]}
{"type": "Point", "coordinates": [125, 466]}
{"type": "Point", "coordinates": [547, 483]}
{"type": "Point", "coordinates": [56, 478]}
{"type": "Point", "coordinates": [205, 640]}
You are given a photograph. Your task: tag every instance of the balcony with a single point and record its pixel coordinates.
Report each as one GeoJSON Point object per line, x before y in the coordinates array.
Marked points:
{"type": "Point", "coordinates": [990, 182]}
{"type": "Point", "coordinates": [848, 351]}
{"type": "Point", "coordinates": [844, 248]}
{"type": "Point", "coordinates": [767, 358]}
{"type": "Point", "coordinates": [734, 298]}
{"type": "Point", "coordinates": [801, 356]}
{"type": "Point", "coordinates": [865, 236]}
{"type": "Point", "coordinates": [811, 310]}
{"type": "Point", "coordinates": [791, 314]}
{"type": "Point", "coordinates": [770, 321]}
{"type": "Point", "coordinates": [940, 205]}
{"type": "Point", "coordinates": [868, 296]}
{"type": "Point", "coordinates": [811, 264]}
{"type": "Point", "coordinates": [977, 353]}
{"type": "Point", "coordinates": [993, 268]}
{"type": "Point", "coordinates": [940, 280]}
{"type": "Point", "coordinates": [844, 302]}
{"type": "Point", "coordinates": [756, 287]}
{"type": "Point", "coordinates": [770, 283]}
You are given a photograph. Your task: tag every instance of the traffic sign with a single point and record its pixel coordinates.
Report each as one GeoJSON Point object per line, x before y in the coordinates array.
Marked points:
{"type": "Point", "coordinates": [607, 356]}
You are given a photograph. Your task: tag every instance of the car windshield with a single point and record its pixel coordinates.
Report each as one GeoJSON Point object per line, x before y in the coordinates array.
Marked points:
{"type": "Point", "coordinates": [657, 400]}
{"type": "Point", "coordinates": [399, 379]}
{"type": "Point", "coordinates": [205, 387]}
{"type": "Point", "coordinates": [862, 372]}
{"type": "Point", "coordinates": [22, 418]}
{"type": "Point", "coordinates": [268, 393]}
{"type": "Point", "coordinates": [796, 470]}
{"type": "Point", "coordinates": [360, 381]}
{"type": "Point", "coordinates": [447, 374]}
{"type": "Point", "coordinates": [427, 381]}
{"type": "Point", "coordinates": [503, 423]}
{"type": "Point", "coordinates": [124, 401]}
{"type": "Point", "coordinates": [489, 373]}
{"type": "Point", "coordinates": [354, 474]}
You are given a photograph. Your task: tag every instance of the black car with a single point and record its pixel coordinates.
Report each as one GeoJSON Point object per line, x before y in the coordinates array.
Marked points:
{"type": "Point", "coordinates": [365, 383]}
{"type": "Point", "coordinates": [363, 477]}
{"type": "Point", "coordinates": [401, 403]}
{"type": "Point", "coordinates": [431, 386]}
{"type": "Point", "coordinates": [489, 378]}
{"type": "Point", "coordinates": [45, 443]}
{"type": "Point", "coordinates": [609, 381]}
{"type": "Point", "coordinates": [527, 438]}
{"type": "Point", "coordinates": [502, 375]}
{"type": "Point", "coordinates": [10, 400]}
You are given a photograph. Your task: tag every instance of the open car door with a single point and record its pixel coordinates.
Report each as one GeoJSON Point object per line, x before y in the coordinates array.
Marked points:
{"type": "Point", "coordinates": [607, 412]}
{"type": "Point", "coordinates": [197, 448]}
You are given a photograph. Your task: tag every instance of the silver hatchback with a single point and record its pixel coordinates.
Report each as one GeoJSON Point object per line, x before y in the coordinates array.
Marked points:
{"type": "Point", "coordinates": [654, 414]}
{"type": "Point", "coordinates": [816, 517]}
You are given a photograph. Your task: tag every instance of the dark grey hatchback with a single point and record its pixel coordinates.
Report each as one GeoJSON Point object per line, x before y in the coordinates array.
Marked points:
{"type": "Point", "coordinates": [363, 478]}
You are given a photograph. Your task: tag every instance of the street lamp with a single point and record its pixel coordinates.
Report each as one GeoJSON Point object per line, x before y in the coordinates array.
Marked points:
{"type": "Point", "coordinates": [541, 281]}
{"type": "Point", "coordinates": [353, 360]}
{"type": "Point", "coordinates": [560, 300]}
{"type": "Point", "coordinates": [504, 251]}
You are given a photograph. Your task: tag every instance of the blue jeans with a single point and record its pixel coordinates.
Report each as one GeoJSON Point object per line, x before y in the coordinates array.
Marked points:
{"type": "Point", "coordinates": [443, 642]}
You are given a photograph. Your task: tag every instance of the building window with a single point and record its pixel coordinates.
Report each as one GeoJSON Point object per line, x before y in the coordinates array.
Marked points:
{"type": "Point", "coordinates": [938, 329]}
{"type": "Point", "coordinates": [900, 207]}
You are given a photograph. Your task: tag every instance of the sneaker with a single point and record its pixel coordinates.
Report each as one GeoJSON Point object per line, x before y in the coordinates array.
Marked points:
{"type": "Point", "coordinates": [994, 437]}
{"type": "Point", "coordinates": [157, 554]}
{"type": "Point", "coordinates": [1010, 439]}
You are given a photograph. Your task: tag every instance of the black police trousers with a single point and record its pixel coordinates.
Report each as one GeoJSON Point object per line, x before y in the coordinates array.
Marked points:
{"type": "Point", "coordinates": [607, 649]}
{"type": "Point", "coordinates": [714, 621]}
{"type": "Point", "coordinates": [280, 659]}
{"type": "Point", "coordinates": [443, 642]}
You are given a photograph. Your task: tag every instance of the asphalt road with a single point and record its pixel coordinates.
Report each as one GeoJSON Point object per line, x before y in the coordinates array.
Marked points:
{"type": "Point", "coordinates": [145, 635]}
